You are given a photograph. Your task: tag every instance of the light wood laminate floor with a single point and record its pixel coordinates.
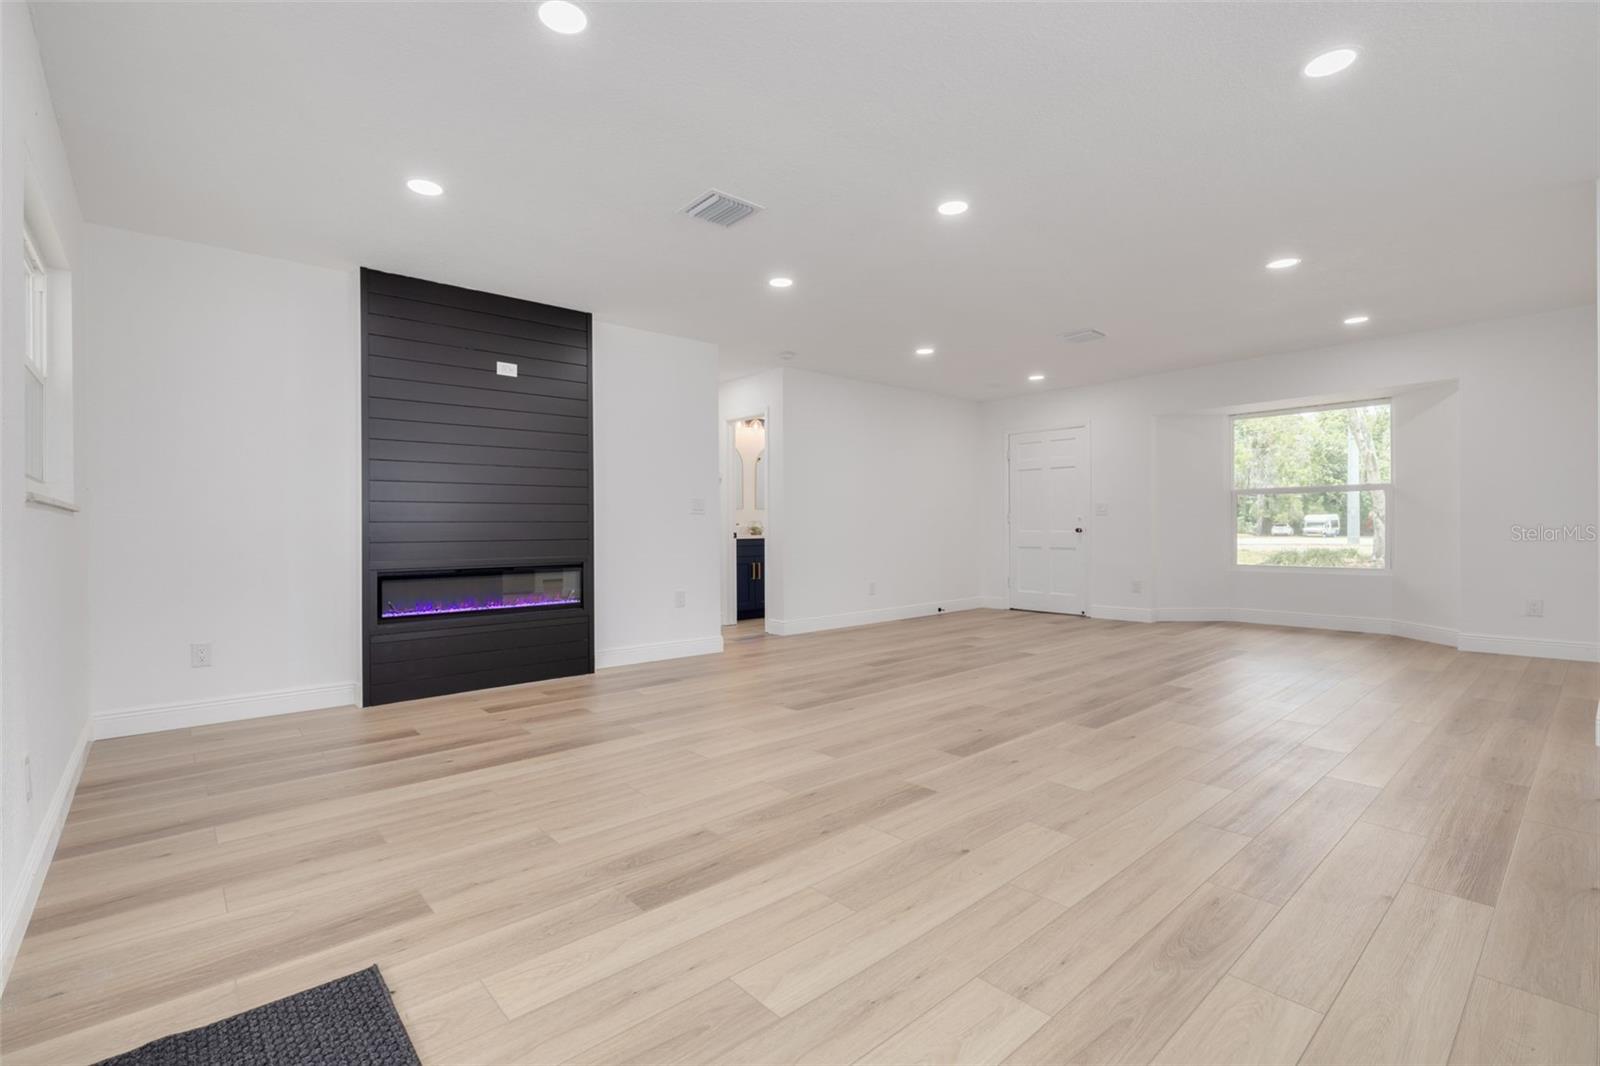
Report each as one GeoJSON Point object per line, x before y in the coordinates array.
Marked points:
{"type": "Point", "coordinates": [979, 837]}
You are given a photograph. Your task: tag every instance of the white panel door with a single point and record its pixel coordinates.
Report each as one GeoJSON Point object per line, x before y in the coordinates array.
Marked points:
{"type": "Point", "coordinates": [1048, 507]}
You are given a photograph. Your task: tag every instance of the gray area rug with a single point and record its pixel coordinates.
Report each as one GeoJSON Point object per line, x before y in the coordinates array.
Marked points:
{"type": "Point", "coordinates": [348, 1022]}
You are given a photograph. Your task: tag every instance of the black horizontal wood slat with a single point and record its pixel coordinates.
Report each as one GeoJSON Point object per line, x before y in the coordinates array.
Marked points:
{"type": "Point", "coordinates": [532, 370]}
{"type": "Point", "coordinates": [381, 284]}
{"type": "Point", "coordinates": [482, 393]}
{"type": "Point", "coordinates": [474, 474]}
{"type": "Point", "coordinates": [467, 469]}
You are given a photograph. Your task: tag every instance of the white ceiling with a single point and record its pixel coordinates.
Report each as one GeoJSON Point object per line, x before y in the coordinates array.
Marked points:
{"type": "Point", "coordinates": [1130, 166]}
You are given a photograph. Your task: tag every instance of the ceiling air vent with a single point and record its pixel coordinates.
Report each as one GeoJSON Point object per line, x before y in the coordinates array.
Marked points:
{"type": "Point", "coordinates": [721, 208]}
{"type": "Point", "coordinates": [1083, 336]}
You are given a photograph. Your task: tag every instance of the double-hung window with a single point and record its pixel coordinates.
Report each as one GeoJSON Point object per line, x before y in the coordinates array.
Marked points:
{"type": "Point", "coordinates": [36, 356]}
{"type": "Point", "coordinates": [1311, 487]}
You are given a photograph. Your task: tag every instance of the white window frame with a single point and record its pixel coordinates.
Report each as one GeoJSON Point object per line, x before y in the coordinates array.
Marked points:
{"type": "Point", "coordinates": [36, 354]}
{"type": "Point", "coordinates": [1386, 487]}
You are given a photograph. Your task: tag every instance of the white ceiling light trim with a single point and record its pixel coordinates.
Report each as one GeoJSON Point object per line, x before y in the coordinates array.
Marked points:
{"type": "Point", "coordinates": [924, 351]}
{"type": "Point", "coordinates": [781, 282]}
{"type": "Point", "coordinates": [563, 16]}
{"type": "Point", "coordinates": [1036, 377]}
{"type": "Point", "coordinates": [424, 187]}
{"type": "Point", "coordinates": [1287, 262]}
{"type": "Point", "coordinates": [1331, 62]}
{"type": "Point", "coordinates": [951, 208]}
{"type": "Point", "coordinates": [1358, 320]}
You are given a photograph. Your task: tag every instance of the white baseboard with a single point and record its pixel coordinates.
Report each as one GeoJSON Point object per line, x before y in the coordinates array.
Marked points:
{"type": "Point", "coordinates": [1573, 650]}
{"type": "Point", "coordinates": [1113, 613]}
{"type": "Point", "coordinates": [1348, 623]}
{"type": "Point", "coordinates": [1422, 631]}
{"type": "Point", "coordinates": [604, 658]}
{"type": "Point", "coordinates": [1193, 614]}
{"type": "Point", "coordinates": [156, 718]}
{"type": "Point", "coordinates": [994, 603]}
{"type": "Point", "coordinates": [788, 627]}
{"type": "Point", "coordinates": [20, 907]}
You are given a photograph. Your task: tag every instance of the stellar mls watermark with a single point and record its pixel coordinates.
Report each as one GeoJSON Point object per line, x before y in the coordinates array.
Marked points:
{"type": "Point", "coordinates": [1587, 534]}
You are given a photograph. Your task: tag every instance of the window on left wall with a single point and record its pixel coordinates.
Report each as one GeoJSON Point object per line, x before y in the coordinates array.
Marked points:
{"type": "Point", "coordinates": [45, 308]}
{"type": "Point", "coordinates": [35, 355]}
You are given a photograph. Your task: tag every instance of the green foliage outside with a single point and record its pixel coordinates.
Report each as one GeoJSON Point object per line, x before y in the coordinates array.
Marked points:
{"type": "Point", "coordinates": [1345, 558]}
{"type": "Point", "coordinates": [1312, 448]}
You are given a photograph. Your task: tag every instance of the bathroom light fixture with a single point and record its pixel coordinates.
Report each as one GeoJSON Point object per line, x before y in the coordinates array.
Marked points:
{"type": "Point", "coordinates": [780, 283]}
{"type": "Point", "coordinates": [1358, 320]}
{"type": "Point", "coordinates": [953, 207]}
{"type": "Point", "coordinates": [1035, 377]}
{"type": "Point", "coordinates": [563, 16]}
{"type": "Point", "coordinates": [1330, 62]}
{"type": "Point", "coordinates": [924, 351]}
{"type": "Point", "coordinates": [424, 187]}
{"type": "Point", "coordinates": [1288, 262]}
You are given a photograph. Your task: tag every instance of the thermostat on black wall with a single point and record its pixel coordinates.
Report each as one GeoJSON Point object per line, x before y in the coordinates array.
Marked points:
{"type": "Point", "coordinates": [506, 370]}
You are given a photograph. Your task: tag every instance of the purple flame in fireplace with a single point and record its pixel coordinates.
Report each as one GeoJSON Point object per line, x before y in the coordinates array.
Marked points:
{"type": "Point", "coordinates": [505, 601]}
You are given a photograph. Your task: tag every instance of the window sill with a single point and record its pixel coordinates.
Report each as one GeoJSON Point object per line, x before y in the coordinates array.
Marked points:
{"type": "Point", "coordinates": [1365, 571]}
{"type": "Point", "coordinates": [44, 499]}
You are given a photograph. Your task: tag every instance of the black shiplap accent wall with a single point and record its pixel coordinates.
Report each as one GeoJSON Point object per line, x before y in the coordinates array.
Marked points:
{"type": "Point", "coordinates": [468, 468]}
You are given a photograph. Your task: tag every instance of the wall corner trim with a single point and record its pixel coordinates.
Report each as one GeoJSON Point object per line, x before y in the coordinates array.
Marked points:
{"type": "Point", "coordinates": [20, 907]}
{"type": "Point", "coordinates": [132, 721]}
{"type": "Point", "coordinates": [631, 654]}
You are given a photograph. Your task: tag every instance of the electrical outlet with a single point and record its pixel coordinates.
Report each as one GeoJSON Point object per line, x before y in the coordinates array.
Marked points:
{"type": "Point", "coordinates": [1535, 608]}
{"type": "Point", "coordinates": [27, 778]}
{"type": "Point", "coordinates": [1102, 509]}
{"type": "Point", "coordinates": [697, 505]}
{"type": "Point", "coordinates": [199, 655]}
{"type": "Point", "coordinates": [1137, 586]}
{"type": "Point", "coordinates": [680, 598]}
{"type": "Point", "coordinates": [872, 588]}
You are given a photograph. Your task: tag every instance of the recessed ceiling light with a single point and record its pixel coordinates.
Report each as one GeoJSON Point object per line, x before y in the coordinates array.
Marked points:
{"type": "Point", "coordinates": [953, 207]}
{"type": "Point", "coordinates": [1330, 62]}
{"type": "Point", "coordinates": [1358, 320]}
{"type": "Point", "coordinates": [1035, 377]}
{"type": "Point", "coordinates": [780, 283]}
{"type": "Point", "coordinates": [563, 16]}
{"type": "Point", "coordinates": [924, 351]}
{"type": "Point", "coordinates": [1285, 263]}
{"type": "Point", "coordinates": [424, 187]}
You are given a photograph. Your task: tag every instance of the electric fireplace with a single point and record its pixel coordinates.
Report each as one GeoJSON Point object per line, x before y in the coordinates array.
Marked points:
{"type": "Point", "coordinates": [454, 593]}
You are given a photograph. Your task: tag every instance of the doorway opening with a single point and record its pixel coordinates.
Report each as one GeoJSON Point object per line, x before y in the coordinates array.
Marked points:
{"type": "Point", "coordinates": [747, 510]}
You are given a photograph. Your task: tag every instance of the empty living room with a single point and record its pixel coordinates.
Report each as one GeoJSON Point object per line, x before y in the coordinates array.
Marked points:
{"type": "Point", "coordinates": [590, 532]}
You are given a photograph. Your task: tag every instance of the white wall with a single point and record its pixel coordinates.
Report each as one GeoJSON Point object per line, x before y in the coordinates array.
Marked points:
{"type": "Point", "coordinates": [222, 438]}
{"type": "Point", "coordinates": [1495, 425]}
{"type": "Point", "coordinates": [877, 489]}
{"type": "Point", "coordinates": [655, 455]}
{"type": "Point", "coordinates": [43, 654]}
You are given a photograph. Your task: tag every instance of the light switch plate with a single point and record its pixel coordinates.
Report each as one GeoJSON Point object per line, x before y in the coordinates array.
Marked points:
{"type": "Point", "coordinates": [697, 506]}
{"type": "Point", "coordinates": [505, 370]}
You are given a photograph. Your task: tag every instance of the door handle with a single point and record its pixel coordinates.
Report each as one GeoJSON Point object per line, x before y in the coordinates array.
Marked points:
{"type": "Point", "coordinates": [1078, 530]}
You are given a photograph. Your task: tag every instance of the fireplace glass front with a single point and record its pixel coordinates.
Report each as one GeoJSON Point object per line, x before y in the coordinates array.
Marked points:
{"type": "Point", "coordinates": [458, 592]}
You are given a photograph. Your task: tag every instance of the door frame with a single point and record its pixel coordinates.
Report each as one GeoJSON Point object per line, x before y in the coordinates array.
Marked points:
{"type": "Point", "coordinates": [728, 585]}
{"type": "Point", "coordinates": [1088, 546]}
